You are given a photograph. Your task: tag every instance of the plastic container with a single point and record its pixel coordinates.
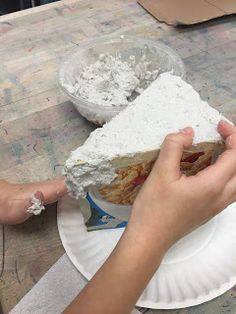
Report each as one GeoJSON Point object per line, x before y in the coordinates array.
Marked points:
{"type": "Point", "coordinates": [121, 212]}
{"type": "Point", "coordinates": [161, 58]}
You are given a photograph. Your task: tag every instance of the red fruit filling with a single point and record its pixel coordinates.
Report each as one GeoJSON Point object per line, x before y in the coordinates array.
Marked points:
{"type": "Point", "coordinates": [193, 158]}
{"type": "Point", "coordinates": [139, 180]}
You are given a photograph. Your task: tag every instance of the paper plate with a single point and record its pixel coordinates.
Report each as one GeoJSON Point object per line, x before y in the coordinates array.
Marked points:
{"type": "Point", "coordinates": [197, 269]}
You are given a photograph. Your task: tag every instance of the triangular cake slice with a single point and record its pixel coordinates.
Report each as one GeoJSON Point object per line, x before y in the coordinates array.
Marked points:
{"type": "Point", "coordinates": [117, 158]}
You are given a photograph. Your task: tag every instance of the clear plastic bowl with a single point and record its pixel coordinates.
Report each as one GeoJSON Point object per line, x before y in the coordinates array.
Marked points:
{"type": "Point", "coordinates": [161, 58]}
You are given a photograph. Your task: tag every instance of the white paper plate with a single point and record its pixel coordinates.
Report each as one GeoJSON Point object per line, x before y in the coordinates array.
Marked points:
{"type": "Point", "coordinates": [197, 269]}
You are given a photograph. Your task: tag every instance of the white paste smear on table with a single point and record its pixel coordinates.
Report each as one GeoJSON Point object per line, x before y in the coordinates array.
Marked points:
{"type": "Point", "coordinates": [110, 81]}
{"type": "Point", "coordinates": [37, 207]}
{"type": "Point", "coordinates": [166, 106]}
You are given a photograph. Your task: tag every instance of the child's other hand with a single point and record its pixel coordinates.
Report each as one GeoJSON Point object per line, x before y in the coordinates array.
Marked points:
{"type": "Point", "coordinates": [15, 199]}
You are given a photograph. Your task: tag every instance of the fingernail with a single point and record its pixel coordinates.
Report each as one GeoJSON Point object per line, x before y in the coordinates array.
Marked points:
{"type": "Point", "coordinates": [229, 141]}
{"type": "Point", "coordinates": [188, 131]}
{"type": "Point", "coordinates": [39, 196]}
{"type": "Point", "coordinates": [223, 122]}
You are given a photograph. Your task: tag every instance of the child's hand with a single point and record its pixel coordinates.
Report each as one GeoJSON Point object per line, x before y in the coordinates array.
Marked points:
{"type": "Point", "coordinates": [15, 199]}
{"type": "Point", "coordinates": [170, 204]}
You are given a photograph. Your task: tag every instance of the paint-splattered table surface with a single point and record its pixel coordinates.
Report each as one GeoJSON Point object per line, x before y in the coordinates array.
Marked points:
{"type": "Point", "coordinates": [39, 127]}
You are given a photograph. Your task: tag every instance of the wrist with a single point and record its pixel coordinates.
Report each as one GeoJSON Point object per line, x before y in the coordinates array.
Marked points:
{"type": "Point", "coordinates": [146, 243]}
{"type": "Point", "coordinates": [150, 229]}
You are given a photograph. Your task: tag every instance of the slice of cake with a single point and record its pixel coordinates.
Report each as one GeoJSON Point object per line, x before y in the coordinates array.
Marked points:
{"type": "Point", "coordinates": [117, 158]}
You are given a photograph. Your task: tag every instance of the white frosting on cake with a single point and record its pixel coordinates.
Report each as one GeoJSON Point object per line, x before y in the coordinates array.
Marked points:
{"type": "Point", "coordinates": [166, 106]}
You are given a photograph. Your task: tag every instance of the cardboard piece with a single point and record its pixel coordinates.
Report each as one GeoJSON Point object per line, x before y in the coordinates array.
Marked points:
{"type": "Point", "coordinates": [187, 12]}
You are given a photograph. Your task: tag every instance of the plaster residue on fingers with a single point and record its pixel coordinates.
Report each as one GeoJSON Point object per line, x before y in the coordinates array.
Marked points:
{"type": "Point", "coordinates": [37, 207]}
{"type": "Point", "coordinates": [111, 81]}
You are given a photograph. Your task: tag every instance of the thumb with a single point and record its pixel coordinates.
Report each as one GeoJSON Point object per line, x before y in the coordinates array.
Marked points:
{"type": "Point", "coordinates": [53, 190]}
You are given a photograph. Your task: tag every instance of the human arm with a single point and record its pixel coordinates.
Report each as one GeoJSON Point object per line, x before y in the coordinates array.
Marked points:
{"type": "Point", "coordinates": [169, 206]}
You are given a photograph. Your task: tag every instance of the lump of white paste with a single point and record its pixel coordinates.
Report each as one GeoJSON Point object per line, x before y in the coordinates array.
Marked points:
{"type": "Point", "coordinates": [110, 81]}
{"type": "Point", "coordinates": [36, 207]}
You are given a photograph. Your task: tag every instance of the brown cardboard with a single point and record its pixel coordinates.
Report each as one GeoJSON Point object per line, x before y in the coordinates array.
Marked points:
{"type": "Point", "coordinates": [187, 12]}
